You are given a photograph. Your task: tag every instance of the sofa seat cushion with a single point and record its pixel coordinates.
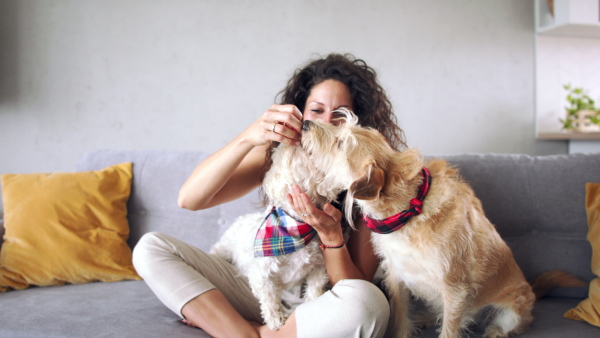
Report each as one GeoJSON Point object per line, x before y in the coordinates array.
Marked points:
{"type": "Point", "coordinates": [130, 309]}
{"type": "Point", "coordinates": [115, 309]}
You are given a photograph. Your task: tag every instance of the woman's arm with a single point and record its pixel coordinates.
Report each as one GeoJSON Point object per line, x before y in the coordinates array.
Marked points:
{"type": "Point", "coordinates": [228, 174]}
{"type": "Point", "coordinates": [236, 169]}
{"type": "Point", "coordinates": [361, 250]}
{"type": "Point", "coordinates": [356, 259]}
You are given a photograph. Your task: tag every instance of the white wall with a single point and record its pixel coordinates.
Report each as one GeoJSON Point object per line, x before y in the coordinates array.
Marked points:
{"type": "Point", "coordinates": [182, 74]}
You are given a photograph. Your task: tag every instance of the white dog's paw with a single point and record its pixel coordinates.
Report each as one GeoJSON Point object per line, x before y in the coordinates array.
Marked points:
{"type": "Point", "coordinates": [312, 293]}
{"type": "Point", "coordinates": [275, 320]}
{"type": "Point", "coordinates": [315, 283]}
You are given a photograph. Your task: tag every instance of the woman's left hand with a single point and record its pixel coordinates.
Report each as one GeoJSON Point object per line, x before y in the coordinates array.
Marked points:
{"type": "Point", "coordinates": [327, 222]}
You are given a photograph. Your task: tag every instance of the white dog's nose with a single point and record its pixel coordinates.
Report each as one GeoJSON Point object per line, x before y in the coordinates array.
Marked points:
{"type": "Point", "coordinates": [305, 125]}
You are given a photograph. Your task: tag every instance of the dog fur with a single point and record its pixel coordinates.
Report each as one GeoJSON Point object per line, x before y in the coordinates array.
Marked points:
{"type": "Point", "coordinates": [270, 276]}
{"type": "Point", "coordinates": [450, 256]}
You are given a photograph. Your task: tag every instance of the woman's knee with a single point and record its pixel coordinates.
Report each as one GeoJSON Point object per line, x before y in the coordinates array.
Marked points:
{"type": "Point", "coordinates": [145, 250]}
{"type": "Point", "coordinates": [361, 309]}
{"type": "Point", "coordinates": [369, 302]}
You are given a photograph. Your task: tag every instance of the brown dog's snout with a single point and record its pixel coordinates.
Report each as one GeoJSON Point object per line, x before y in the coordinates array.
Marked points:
{"type": "Point", "coordinates": [305, 125]}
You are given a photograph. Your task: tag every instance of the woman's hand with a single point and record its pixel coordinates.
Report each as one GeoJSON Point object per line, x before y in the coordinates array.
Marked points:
{"type": "Point", "coordinates": [327, 222]}
{"type": "Point", "coordinates": [280, 123]}
{"type": "Point", "coordinates": [338, 261]}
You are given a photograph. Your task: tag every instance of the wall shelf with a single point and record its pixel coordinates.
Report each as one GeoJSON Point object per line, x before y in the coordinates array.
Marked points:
{"type": "Point", "coordinates": [569, 18]}
{"type": "Point", "coordinates": [572, 30]}
{"type": "Point", "coordinates": [571, 136]}
{"type": "Point", "coordinates": [567, 42]}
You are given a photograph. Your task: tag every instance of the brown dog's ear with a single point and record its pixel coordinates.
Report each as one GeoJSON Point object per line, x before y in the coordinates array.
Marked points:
{"type": "Point", "coordinates": [370, 184]}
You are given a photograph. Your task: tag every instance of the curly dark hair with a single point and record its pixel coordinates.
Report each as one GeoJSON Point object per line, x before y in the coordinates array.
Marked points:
{"type": "Point", "coordinates": [369, 100]}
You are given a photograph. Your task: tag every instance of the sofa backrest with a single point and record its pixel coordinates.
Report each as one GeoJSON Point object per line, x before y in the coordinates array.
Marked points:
{"type": "Point", "coordinates": [537, 203]}
{"type": "Point", "coordinates": [538, 206]}
{"type": "Point", "coordinates": [157, 177]}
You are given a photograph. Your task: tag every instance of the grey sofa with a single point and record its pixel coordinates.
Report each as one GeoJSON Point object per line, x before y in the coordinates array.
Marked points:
{"type": "Point", "coordinates": [537, 204]}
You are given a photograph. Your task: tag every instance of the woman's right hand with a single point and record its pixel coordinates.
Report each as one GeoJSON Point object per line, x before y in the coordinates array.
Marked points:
{"type": "Point", "coordinates": [236, 169]}
{"type": "Point", "coordinates": [280, 123]}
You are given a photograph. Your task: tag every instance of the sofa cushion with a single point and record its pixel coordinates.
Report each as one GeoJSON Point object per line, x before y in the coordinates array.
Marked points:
{"type": "Point", "coordinates": [536, 207]}
{"type": "Point", "coordinates": [130, 309]}
{"type": "Point", "coordinates": [1, 226]}
{"type": "Point", "coordinates": [1, 219]}
{"type": "Point", "coordinates": [589, 309]}
{"type": "Point", "coordinates": [157, 177]}
{"type": "Point", "coordinates": [537, 204]}
{"type": "Point", "coordinates": [66, 228]}
{"type": "Point", "coordinates": [118, 309]}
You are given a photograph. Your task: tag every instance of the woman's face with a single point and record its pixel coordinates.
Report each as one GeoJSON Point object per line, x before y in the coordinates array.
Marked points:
{"type": "Point", "coordinates": [326, 97]}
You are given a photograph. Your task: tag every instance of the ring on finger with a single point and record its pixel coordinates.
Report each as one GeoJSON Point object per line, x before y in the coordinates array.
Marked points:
{"type": "Point", "coordinates": [274, 125]}
{"type": "Point", "coordinates": [304, 215]}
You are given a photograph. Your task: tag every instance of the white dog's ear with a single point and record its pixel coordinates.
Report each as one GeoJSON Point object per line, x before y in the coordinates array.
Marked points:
{"type": "Point", "coordinates": [370, 184]}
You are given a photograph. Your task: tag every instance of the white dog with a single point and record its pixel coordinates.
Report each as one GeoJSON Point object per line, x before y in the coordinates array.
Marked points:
{"type": "Point", "coordinates": [269, 276]}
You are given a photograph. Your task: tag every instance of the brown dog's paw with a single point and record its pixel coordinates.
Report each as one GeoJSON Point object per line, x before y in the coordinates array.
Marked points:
{"type": "Point", "coordinates": [494, 331]}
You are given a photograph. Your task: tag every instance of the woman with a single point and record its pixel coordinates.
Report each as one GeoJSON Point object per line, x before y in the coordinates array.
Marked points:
{"type": "Point", "coordinates": [206, 291]}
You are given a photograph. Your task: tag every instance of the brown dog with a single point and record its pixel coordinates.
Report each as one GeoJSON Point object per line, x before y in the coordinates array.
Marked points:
{"type": "Point", "coordinates": [430, 231]}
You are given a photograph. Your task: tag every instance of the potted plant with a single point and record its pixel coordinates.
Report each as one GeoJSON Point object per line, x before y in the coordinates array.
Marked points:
{"type": "Point", "coordinates": [582, 114]}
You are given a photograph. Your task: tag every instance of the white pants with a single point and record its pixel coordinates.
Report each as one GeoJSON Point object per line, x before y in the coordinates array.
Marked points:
{"type": "Point", "coordinates": [178, 272]}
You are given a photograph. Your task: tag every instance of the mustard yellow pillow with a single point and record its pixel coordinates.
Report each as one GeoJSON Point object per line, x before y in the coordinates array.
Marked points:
{"type": "Point", "coordinates": [66, 228]}
{"type": "Point", "coordinates": [589, 309]}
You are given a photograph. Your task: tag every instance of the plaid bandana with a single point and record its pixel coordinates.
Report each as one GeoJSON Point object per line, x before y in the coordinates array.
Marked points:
{"type": "Point", "coordinates": [280, 234]}
{"type": "Point", "coordinates": [397, 221]}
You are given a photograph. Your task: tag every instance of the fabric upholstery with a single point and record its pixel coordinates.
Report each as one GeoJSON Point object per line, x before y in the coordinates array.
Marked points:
{"type": "Point", "coordinates": [538, 209]}
{"type": "Point", "coordinates": [157, 177]}
{"type": "Point", "coordinates": [66, 228]}
{"type": "Point", "coordinates": [1, 218]}
{"type": "Point", "coordinates": [130, 309]}
{"type": "Point", "coordinates": [589, 309]}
